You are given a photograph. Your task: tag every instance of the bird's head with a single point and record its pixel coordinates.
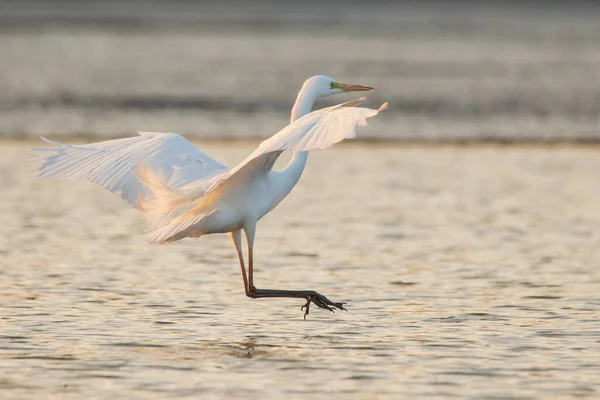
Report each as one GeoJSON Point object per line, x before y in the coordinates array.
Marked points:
{"type": "Point", "coordinates": [325, 86]}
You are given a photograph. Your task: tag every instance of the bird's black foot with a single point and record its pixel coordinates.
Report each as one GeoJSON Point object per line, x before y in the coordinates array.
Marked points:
{"type": "Point", "coordinates": [322, 302]}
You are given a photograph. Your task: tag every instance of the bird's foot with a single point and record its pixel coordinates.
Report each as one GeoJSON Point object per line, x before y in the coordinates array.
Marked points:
{"type": "Point", "coordinates": [322, 302]}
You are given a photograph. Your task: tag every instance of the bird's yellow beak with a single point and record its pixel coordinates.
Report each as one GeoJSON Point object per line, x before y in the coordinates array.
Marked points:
{"type": "Point", "coordinates": [354, 88]}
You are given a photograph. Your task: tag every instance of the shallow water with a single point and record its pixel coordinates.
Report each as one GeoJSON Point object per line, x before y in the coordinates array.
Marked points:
{"type": "Point", "coordinates": [469, 273]}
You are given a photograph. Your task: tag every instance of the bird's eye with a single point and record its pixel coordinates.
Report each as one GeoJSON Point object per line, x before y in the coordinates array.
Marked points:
{"type": "Point", "coordinates": [332, 85]}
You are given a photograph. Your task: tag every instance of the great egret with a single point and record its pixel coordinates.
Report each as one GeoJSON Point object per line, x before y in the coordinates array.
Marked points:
{"type": "Point", "coordinates": [185, 193]}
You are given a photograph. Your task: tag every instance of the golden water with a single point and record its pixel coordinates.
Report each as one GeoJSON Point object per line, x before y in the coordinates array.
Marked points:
{"type": "Point", "coordinates": [468, 272]}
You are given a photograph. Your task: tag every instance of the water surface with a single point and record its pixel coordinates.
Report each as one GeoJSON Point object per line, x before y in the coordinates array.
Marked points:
{"type": "Point", "coordinates": [469, 273]}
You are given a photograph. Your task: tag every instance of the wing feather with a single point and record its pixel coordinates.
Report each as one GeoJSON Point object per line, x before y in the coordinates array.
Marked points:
{"type": "Point", "coordinates": [319, 129]}
{"type": "Point", "coordinates": [112, 163]}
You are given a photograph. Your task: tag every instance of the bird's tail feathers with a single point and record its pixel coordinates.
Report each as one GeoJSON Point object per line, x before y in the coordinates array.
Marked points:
{"type": "Point", "coordinates": [185, 225]}
{"type": "Point", "coordinates": [160, 202]}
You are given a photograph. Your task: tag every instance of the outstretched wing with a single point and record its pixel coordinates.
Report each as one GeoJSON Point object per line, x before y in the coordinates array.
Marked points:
{"type": "Point", "coordinates": [320, 129]}
{"type": "Point", "coordinates": [317, 130]}
{"type": "Point", "coordinates": [113, 164]}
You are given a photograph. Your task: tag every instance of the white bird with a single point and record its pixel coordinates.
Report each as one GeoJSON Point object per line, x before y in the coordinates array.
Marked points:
{"type": "Point", "coordinates": [185, 193]}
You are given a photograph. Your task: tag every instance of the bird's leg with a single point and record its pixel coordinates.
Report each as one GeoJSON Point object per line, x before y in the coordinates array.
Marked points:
{"type": "Point", "coordinates": [250, 231]}
{"type": "Point", "coordinates": [310, 295]}
{"type": "Point", "coordinates": [236, 236]}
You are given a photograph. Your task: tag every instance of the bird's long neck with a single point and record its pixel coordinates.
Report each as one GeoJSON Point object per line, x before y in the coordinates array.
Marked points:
{"type": "Point", "coordinates": [290, 175]}
{"type": "Point", "coordinates": [303, 105]}
{"type": "Point", "coordinates": [304, 102]}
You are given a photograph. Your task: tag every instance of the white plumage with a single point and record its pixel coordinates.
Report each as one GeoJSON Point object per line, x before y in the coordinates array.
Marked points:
{"type": "Point", "coordinates": [185, 193]}
{"type": "Point", "coordinates": [161, 173]}
{"type": "Point", "coordinates": [111, 163]}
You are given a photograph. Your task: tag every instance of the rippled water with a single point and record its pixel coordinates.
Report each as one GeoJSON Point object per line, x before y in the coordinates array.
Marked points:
{"type": "Point", "coordinates": [469, 273]}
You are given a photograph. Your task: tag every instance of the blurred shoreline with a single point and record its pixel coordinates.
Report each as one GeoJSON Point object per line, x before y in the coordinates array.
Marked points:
{"type": "Point", "coordinates": [457, 71]}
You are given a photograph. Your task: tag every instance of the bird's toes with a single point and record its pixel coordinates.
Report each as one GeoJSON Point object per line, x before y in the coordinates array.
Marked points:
{"type": "Point", "coordinates": [322, 302]}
